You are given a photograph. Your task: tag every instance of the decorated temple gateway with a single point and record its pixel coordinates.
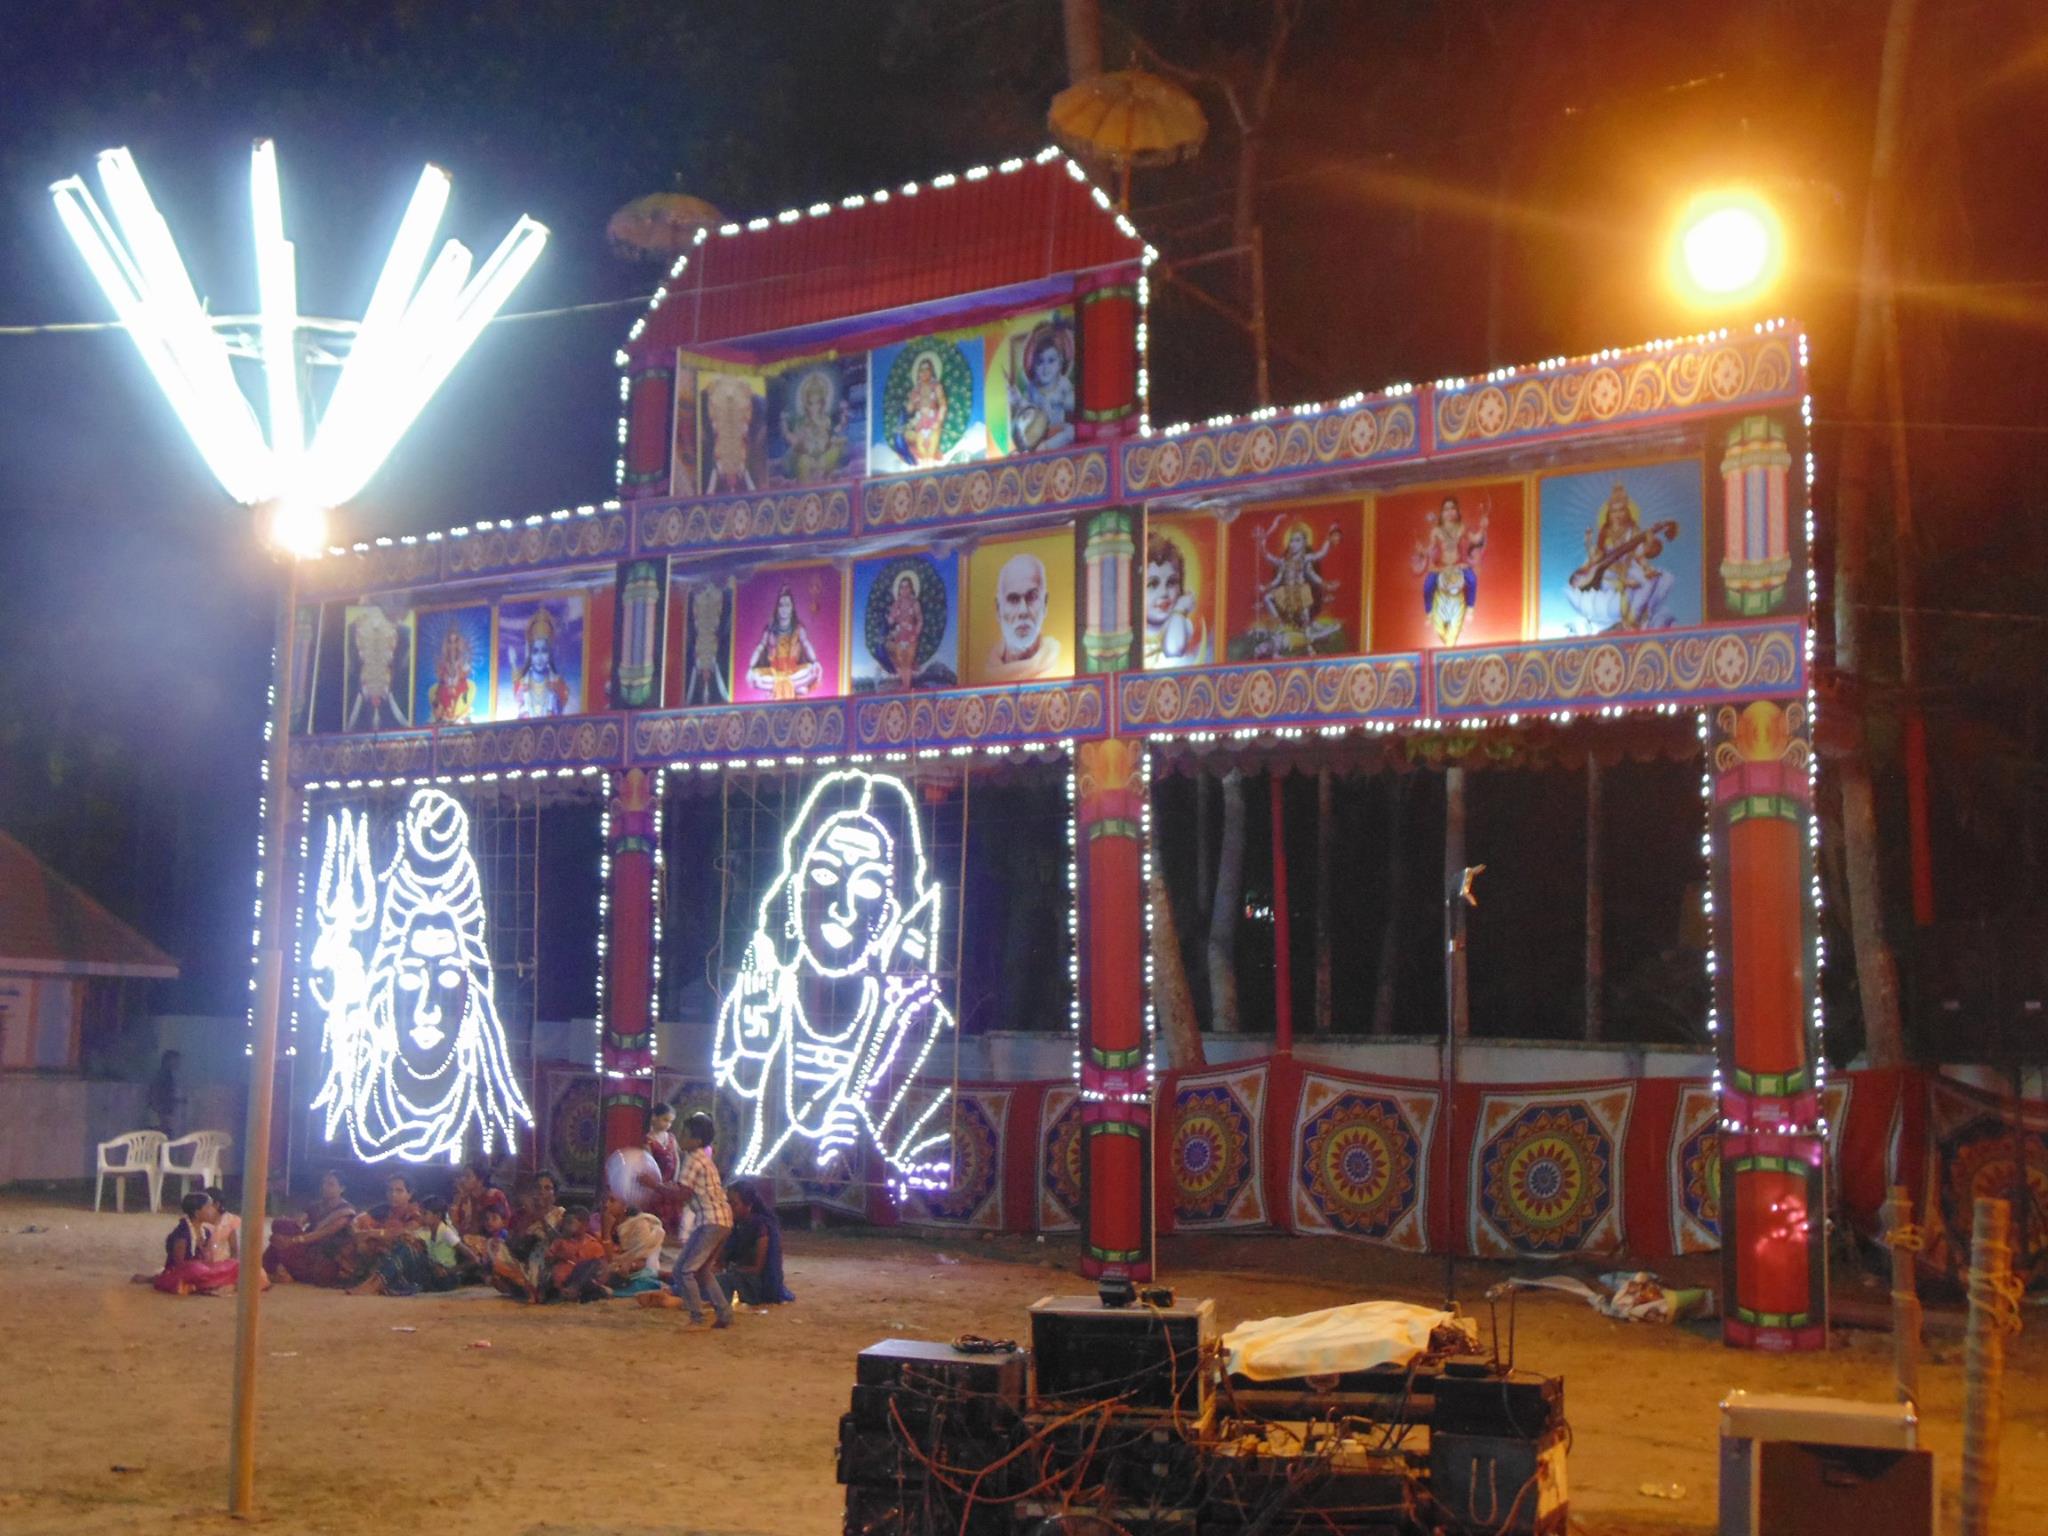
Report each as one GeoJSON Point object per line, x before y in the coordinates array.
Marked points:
{"type": "Point", "coordinates": [902, 621]}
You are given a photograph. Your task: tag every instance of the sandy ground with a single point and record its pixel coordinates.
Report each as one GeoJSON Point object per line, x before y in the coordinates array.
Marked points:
{"type": "Point", "coordinates": [607, 1419]}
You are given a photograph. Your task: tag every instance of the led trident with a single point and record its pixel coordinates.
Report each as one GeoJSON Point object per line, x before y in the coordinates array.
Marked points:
{"type": "Point", "coordinates": [412, 335]}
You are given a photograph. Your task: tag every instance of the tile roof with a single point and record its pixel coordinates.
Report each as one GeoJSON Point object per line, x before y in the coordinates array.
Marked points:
{"type": "Point", "coordinates": [48, 925]}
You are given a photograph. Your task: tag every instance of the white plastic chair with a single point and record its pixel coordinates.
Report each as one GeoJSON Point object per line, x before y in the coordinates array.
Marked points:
{"type": "Point", "coordinates": [208, 1155]}
{"type": "Point", "coordinates": [138, 1152]}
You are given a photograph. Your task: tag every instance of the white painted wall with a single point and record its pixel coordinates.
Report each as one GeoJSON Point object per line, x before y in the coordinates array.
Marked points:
{"type": "Point", "coordinates": [49, 1126]}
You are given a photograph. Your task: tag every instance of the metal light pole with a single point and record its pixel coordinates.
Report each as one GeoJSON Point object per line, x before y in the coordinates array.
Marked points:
{"type": "Point", "coordinates": [414, 332]}
{"type": "Point", "coordinates": [263, 1047]}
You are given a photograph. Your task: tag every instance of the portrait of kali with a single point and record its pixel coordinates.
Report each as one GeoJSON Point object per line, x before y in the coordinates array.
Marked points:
{"type": "Point", "coordinates": [837, 1003]}
{"type": "Point", "coordinates": [415, 1053]}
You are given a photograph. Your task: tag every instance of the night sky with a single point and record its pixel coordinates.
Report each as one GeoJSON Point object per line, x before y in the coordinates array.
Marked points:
{"type": "Point", "coordinates": [1444, 188]}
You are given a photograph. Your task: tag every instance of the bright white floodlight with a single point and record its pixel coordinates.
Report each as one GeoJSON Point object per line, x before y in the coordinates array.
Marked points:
{"type": "Point", "coordinates": [411, 337]}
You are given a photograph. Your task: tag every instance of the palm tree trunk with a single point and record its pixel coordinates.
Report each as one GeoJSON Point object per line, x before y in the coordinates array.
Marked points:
{"type": "Point", "coordinates": [1596, 934]}
{"type": "Point", "coordinates": [1390, 931]}
{"type": "Point", "coordinates": [1083, 20]}
{"type": "Point", "coordinates": [1326, 817]}
{"type": "Point", "coordinates": [1223, 911]}
{"type": "Point", "coordinates": [1876, 975]}
{"type": "Point", "coordinates": [1459, 1002]}
{"type": "Point", "coordinates": [1171, 997]}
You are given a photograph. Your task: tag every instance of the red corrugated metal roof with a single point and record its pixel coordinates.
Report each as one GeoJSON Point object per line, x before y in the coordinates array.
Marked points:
{"type": "Point", "coordinates": [942, 242]}
{"type": "Point", "coordinates": [48, 925]}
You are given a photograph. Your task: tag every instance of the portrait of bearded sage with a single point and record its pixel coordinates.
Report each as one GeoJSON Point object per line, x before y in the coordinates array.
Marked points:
{"type": "Point", "coordinates": [415, 1053]}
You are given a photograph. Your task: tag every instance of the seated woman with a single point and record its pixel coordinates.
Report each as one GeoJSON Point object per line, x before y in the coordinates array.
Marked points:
{"type": "Point", "coordinates": [186, 1270]}
{"type": "Point", "coordinates": [633, 1239]}
{"type": "Point", "coordinates": [428, 1258]}
{"type": "Point", "coordinates": [474, 1195]}
{"type": "Point", "coordinates": [517, 1261]}
{"type": "Point", "coordinates": [309, 1251]}
{"type": "Point", "coordinates": [380, 1229]}
{"type": "Point", "coordinates": [577, 1261]}
{"type": "Point", "coordinates": [753, 1254]}
{"type": "Point", "coordinates": [224, 1237]}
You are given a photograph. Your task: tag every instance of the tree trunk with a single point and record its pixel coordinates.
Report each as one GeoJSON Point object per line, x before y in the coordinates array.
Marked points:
{"type": "Point", "coordinates": [1458, 1003]}
{"type": "Point", "coordinates": [1173, 1002]}
{"type": "Point", "coordinates": [1596, 933]}
{"type": "Point", "coordinates": [1283, 921]}
{"type": "Point", "coordinates": [1876, 975]}
{"type": "Point", "coordinates": [1223, 910]}
{"type": "Point", "coordinates": [1390, 931]}
{"type": "Point", "coordinates": [1084, 39]}
{"type": "Point", "coordinates": [1326, 817]}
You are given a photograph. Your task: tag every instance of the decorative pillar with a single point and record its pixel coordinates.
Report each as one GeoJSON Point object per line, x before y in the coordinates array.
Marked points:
{"type": "Point", "coordinates": [650, 419]}
{"type": "Point", "coordinates": [1108, 568]}
{"type": "Point", "coordinates": [640, 618]}
{"type": "Point", "coordinates": [625, 1024]}
{"type": "Point", "coordinates": [1756, 536]}
{"type": "Point", "coordinates": [1773, 1140]}
{"type": "Point", "coordinates": [1109, 319]}
{"type": "Point", "coordinates": [1112, 1050]}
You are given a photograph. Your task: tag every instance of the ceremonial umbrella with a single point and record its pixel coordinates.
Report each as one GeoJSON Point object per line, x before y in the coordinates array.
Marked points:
{"type": "Point", "coordinates": [1129, 118]}
{"type": "Point", "coordinates": [661, 225]}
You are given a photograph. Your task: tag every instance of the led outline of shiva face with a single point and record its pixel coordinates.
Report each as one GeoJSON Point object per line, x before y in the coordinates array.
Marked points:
{"type": "Point", "coordinates": [415, 1049]}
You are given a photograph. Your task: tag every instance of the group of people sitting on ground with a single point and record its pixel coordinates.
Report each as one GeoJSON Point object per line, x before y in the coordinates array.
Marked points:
{"type": "Point", "coordinates": [538, 1250]}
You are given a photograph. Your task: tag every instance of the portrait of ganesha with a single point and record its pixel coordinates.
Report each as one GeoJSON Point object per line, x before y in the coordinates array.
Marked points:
{"type": "Point", "coordinates": [838, 1001]}
{"type": "Point", "coordinates": [415, 1053]}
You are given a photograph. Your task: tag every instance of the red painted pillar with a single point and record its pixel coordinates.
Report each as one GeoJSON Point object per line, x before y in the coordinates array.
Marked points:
{"type": "Point", "coordinates": [650, 413]}
{"type": "Point", "coordinates": [1114, 1053]}
{"type": "Point", "coordinates": [1283, 927]}
{"type": "Point", "coordinates": [1773, 1217]}
{"type": "Point", "coordinates": [626, 1025]}
{"type": "Point", "coordinates": [1109, 319]}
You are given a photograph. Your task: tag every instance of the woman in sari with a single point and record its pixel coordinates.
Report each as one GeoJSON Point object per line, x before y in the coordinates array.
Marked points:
{"type": "Point", "coordinates": [517, 1262]}
{"type": "Point", "coordinates": [186, 1272]}
{"type": "Point", "coordinates": [430, 1258]}
{"type": "Point", "coordinates": [474, 1195]}
{"type": "Point", "coordinates": [377, 1231]}
{"type": "Point", "coordinates": [633, 1239]}
{"type": "Point", "coordinates": [753, 1254]}
{"type": "Point", "coordinates": [310, 1251]}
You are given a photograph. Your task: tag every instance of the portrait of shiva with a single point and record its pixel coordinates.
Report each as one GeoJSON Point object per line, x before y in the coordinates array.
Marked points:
{"type": "Point", "coordinates": [837, 1003]}
{"type": "Point", "coordinates": [415, 1053]}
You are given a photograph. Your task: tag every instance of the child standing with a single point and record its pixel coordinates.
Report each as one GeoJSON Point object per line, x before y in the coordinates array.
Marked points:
{"type": "Point", "coordinates": [694, 1279]}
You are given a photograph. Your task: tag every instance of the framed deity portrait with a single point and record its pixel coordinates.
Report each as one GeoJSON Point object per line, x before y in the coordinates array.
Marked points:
{"type": "Point", "coordinates": [905, 623]}
{"type": "Point", "coordinates": [786, 627]}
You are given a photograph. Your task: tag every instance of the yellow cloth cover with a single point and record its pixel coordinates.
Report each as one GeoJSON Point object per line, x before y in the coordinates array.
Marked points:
{"type": "Point", "coordinates": [1334, 1340]}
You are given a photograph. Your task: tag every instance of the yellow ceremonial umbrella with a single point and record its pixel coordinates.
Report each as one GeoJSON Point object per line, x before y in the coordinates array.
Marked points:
{"type": "Point", "coordinates": [659, 226]}
{"type": "Point", "coordinates": [1129, 118]}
